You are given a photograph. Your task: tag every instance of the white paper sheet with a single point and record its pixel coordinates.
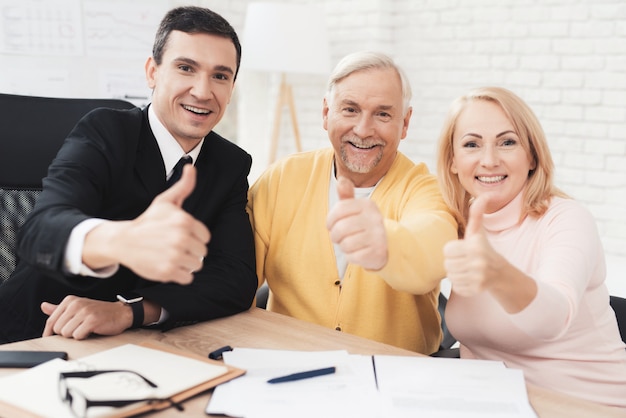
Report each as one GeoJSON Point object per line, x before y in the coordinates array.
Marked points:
{"type": "Point", "coordinates": [407, 387]}
{"type": "Point", "coordinates": [351, 391]}
{"type": "Point", "coordinates": [441, 387]}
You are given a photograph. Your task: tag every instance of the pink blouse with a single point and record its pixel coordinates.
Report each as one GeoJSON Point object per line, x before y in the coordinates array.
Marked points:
{"type": "Point", "coordinates": [567, 338]}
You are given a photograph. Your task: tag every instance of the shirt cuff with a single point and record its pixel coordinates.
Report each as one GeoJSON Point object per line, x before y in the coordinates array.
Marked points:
{"type": "Point", "coordinates": [164, 316]}
{"type": "Point", "coordinates": [73, 261]}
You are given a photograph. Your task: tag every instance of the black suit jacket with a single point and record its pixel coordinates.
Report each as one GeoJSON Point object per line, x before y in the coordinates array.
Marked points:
{"type": "Point", "coordinates": [110, 167]}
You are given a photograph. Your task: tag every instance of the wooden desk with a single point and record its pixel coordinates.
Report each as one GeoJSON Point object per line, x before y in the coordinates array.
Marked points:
{"type": "Point", "coordinates": [258, 328]}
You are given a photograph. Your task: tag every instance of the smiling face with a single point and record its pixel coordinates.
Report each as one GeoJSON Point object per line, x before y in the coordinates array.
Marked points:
{"type": "Point", "coordinates": [488, 154]}
{"type": "Point", "coordinates": [365, 122]}
{"type": "Point", "coordinates": [193, 84]}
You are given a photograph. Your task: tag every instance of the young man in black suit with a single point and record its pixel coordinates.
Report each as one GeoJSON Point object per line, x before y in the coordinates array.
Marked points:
{"type": "Point", "coordinates": [108, 245]}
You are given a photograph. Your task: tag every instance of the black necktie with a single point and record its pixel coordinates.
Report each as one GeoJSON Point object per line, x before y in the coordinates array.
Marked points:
{"type": "Point", "coordinates": [178, 169]}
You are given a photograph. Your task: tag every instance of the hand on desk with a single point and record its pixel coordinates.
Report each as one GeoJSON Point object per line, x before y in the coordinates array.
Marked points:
{"type": "Point", "coordinates": [164, 244]}
{"type": "Point", "coordinates": [357, 226]}
{"type": "Point", "coordinates": [77, 317]}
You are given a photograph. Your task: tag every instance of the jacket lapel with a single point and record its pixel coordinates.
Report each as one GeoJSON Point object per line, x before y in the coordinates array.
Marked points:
{"type": "Point", "coordinates": [203, 174]}
{"type": "Point", "coordinates": [151, 175]}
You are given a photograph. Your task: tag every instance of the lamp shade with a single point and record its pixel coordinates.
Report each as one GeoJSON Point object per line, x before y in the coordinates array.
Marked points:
{"type": "Point", "coordinates": [287, 38]}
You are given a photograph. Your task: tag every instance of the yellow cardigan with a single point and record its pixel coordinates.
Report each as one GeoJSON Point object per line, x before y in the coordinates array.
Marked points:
{"type": "Point", "coordinates": [397, 305]}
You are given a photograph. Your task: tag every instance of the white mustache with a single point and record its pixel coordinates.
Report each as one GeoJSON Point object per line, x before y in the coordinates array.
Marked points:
{"type": "Point", "coordinates": [360, 143]}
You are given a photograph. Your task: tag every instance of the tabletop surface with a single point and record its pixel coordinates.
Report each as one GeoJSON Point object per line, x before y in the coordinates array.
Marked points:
{"type": "Point", "coordinates": [258, 328]}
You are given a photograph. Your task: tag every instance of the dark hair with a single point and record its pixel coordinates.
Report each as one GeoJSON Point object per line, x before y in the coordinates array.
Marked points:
{"type": "Point", "coordinates": [192, 19]}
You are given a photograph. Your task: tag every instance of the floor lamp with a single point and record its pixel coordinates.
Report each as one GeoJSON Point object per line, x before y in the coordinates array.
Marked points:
{"type": "Point", "coordinates": [284, 39]}
{"type": "Point", "coordinates": [285, 98]}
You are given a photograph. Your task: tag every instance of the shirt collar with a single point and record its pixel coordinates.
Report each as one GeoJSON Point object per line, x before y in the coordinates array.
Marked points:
{"type": "Point", "coordinates": [359, 192]}
{"type": "Point", "coordinates": [507, 217]}
{"type": "Point", "coordinates": [171, 151]}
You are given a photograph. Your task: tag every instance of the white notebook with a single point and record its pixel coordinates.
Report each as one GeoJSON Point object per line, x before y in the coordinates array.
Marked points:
{"type": "Point", "coordinates": [35, 390]}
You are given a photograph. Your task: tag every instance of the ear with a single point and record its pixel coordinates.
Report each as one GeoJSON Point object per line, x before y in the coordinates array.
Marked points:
{"type": "Point", "coordinates": [325, 111]}
{"type": "Point", "coordinates": [453, 168]}
{"type": "Point", "coordinates": [151, 69]}
{"type": "Point", "coordinates": [405, 122]}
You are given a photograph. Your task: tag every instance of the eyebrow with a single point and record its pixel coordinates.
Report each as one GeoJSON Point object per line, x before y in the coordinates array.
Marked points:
{"type": "Point", "coordinates": [223, 68]}
{"type": "Point", "coordinates": [349, 102]}
{"type": "Point", "coordinates": [355, 104]}
{"type": "Point", "coordinates": [497, 136]}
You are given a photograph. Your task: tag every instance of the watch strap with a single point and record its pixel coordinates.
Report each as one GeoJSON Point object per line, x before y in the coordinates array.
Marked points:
{"type": "Point", "coordinates": [137, 308]}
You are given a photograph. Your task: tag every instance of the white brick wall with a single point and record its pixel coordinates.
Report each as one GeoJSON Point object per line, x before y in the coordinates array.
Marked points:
{"type": "Point", "coordinates": [566, 58]}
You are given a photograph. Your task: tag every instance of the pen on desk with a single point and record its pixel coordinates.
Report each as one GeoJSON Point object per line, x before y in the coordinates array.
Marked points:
{"type": "Point", "coordinates": [375, 375]}
{"type": "Point", "coordinates": [302, 375]}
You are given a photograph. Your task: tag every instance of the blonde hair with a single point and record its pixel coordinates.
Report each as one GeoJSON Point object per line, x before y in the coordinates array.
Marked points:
{"type": "Point", "coordinates": [540, 186]}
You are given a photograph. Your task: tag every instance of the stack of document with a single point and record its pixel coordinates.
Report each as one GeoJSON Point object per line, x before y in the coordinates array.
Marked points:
{"type": "Point", "coordinates": [369, 386]}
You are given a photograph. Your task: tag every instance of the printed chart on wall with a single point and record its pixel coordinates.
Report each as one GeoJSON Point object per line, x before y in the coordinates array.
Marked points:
{"type": "Point", "coordinates": [111, 33]}
{"type": "Point", "coordinates": [41, 28]}
{"type": "Point", "coordinates": [100, 37]}
{"type": "Point", "coordinates": [75, 27]}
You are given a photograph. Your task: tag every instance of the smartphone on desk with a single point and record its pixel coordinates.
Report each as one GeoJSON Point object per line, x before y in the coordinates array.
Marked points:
{"type": "Point", "coordinates": [25, 359]}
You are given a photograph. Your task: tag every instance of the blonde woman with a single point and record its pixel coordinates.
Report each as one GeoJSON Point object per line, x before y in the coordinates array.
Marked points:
{"type": "Point", "coordinates": [528, 274]}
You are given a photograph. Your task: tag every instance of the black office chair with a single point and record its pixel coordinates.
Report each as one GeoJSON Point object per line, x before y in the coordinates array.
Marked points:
{"type": "Point", "coordinates": [33, 129]}
{"type": "Point", "coordinates": [446, 348]}
{"type": "Point", "coordinates": [262, 294]}
{"type": "Point", "coordinates": [619, 306]}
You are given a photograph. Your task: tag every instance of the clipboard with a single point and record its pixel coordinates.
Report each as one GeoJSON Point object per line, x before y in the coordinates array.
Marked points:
{"type": "Point", "coordinates": [232, 372]}
{"type": "Point", "coordinates": [48, 372]}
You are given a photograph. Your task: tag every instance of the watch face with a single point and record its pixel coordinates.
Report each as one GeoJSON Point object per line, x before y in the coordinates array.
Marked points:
{"type": "Point", "coordinates": [129, 299]}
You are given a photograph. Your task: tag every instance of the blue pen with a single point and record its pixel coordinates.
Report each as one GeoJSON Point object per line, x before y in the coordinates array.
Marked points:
{"type": "Point", "coordinates": [302, 375]}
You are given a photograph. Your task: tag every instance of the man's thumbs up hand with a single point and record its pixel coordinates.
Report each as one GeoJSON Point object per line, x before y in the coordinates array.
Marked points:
{"type": "Point", "coordinates": [357, 226]}
{"type": "Point", "coordinates": [180, 190]}
{"type": "Point", "coordinates": [165, 243]}
{"type": "Point", "coordinates": [345, 188]}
